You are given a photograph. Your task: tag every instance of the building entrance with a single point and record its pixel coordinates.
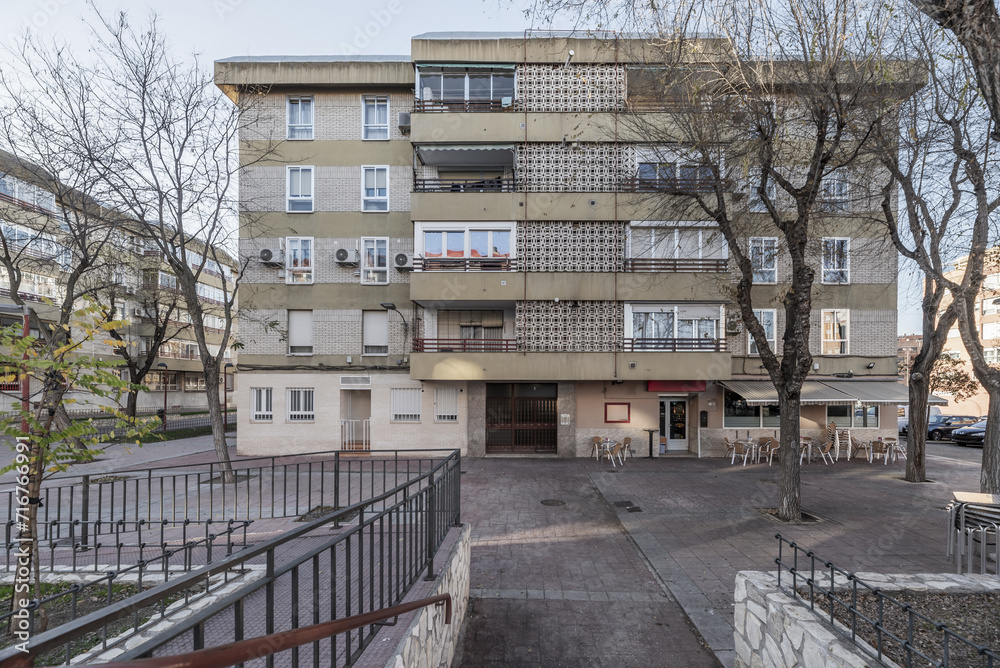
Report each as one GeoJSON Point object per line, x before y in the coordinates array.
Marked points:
{"type": "Point", "coordinates": [521, 417]}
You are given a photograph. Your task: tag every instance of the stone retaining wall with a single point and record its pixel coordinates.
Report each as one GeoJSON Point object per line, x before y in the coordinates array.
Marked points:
{"type": "Point", "coordinates": [429, 642]}
{"type": "Point", "coordinates": [773, 629]}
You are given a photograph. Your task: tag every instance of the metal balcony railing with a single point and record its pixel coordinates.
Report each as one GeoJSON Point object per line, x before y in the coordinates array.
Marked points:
{"type": "Point", "coordinates": [464, 345]}
{"type": "Point", "coordinates": [681, 185]}
{"type": "Point", "coordinates": [462, 105]}
{"type": "Point", "coordinates": [484, 185]}
{"type": "Point", "coordinates": [674, 345]}
{"type": "Point", "coordinates": [650, 264]}
{"type": "Point", "coordinates": [27, 205]}
{"type": "Point", "coordinates": [465, 264]}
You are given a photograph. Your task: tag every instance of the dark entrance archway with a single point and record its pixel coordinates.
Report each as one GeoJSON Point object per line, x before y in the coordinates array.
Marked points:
{"type": "Point", "coordinates": [521, 417]}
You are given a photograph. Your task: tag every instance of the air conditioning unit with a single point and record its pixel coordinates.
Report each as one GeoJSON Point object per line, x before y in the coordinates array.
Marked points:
{"type": "Point", "coordinates": [128, 289]}
{"type": "Point", "coordinates": [403, 261]}
{"type": "Point", "coordinates": [404, 122]}
{"type": "Point", "coordinates": [271, 257]}
{"type": "Point", "coordinates": [138, 313]}
{"type": "Point", "coordinates": [733, 325]}
{"type": "Point", "coordinates": [349, 257]}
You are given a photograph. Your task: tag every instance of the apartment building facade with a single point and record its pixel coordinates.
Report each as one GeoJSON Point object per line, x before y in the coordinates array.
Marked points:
{"type": "Point", "coordinates": [132, 276]}
{"type": "Point", "coordinates": [458, 250]}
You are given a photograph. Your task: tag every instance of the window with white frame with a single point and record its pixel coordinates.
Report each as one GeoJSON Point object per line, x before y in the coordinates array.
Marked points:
{"type": "Point", "coordinates": [446, 404]}
{"type": "Point", "coordinates": [991, 331]}
{"type": "Point", "coordinates": [768, 320]}
{"type": "Point", "coordinates": [651, 176]}
{"type": "Point", "coordinates": [992, 356]}
{"type": "Point", "coordinates": [298, 260]}
{"type": "Point", "coordinates": [672, 326]}
{"type": "Point", "coordinates": [405, 404]}
{"type": "Point", "coordinates": [375, 332]}
{"type": "Point", "coordinates": [300, 118]}
{"type": "Point", "coordinates": [858, 417]}
{"type": "Point", "coordinates": [477, 85]}
{"type": "Point", "coordinates": [375, 188]}
{"type": "Point", "coordinates": [301, 407]}
{"type": "Point", "coordinates": [836, 260]}
{"type": "Point", "coordinates": [677, 242]}
{"type": "Point", "coordinates": [440, 244]}
{"type": "Point", "coordinates": [300, 190]}
{"type": "Point", "coordinates": [300, 332]}
{"type": "Point", "coordinates": [756, 202]}
{"type": "Point", "coordinates": [990, 306]}
{"type": "Point", "coordinates": [374, 261]}
{"type": "Point", "coordinates": [261, 408]}
{"type": "Point", "coordinates": [764, 259]}
{"type": "Point", "coordinates": [835, 332]}
{"type": "Point", "coordinates": [834, 192]}
{"type": "Point", "coordinates": [375, 118]}
{"type": "Point", "coordinates": [194, 382]}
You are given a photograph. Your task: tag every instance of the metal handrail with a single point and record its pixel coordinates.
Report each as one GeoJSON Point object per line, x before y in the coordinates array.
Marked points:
{"type": "Point", "coordinates": [261, 646]}
{"type": "Point", "coordinates": [674, 345]}
{"type": "Point", "coordinates": [465, 264]}
{"type": "Point", "coordinates": [679, 264]}
{"type": "Point", "coordinates": [497, 184]}
{"type": "Point", "coordinates": [464, 345]}
{"type": "Point", "coordinates": [463, 105]}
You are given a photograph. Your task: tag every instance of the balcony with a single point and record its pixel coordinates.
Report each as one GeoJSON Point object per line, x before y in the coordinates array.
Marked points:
{"type": "Point", "coordinates": [658, 264]}
{"type": "Point", "coordinates": [667, 186]}
{"type": "Point", "coordinates": [464, 345]}
{"type": "Point", "coordinates": [503, 104]}
{"type": "Point", "coordinates": [465, 264]}
{"type": "Point", "coordinates": [488, 185]}
{"type": "Point", "coordinates": [27, 206]}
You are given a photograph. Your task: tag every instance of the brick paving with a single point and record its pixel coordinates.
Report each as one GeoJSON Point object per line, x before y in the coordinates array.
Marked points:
{"type": "Point", "coordinates": [540, 574]}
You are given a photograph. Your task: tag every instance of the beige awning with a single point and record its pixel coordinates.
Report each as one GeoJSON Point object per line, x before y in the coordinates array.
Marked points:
{"type": "Point", "coordinates": [829, 392]}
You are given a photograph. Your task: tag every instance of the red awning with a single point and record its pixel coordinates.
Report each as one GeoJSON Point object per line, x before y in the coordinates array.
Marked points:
{"type": "Point", "coordinates": [675, 385]}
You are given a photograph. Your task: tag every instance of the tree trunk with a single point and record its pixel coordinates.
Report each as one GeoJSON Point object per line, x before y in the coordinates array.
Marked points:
{"type": "Point", "coordinates": [218, 425]}
{"type": "Point", "coordinates": [789, 489]}
{"type": "Point", "coordinates": [916, 430]}
{"type": "Point", "coordinates": [989, 478]}
{"type": "Point", "coordinates": [132, 405]}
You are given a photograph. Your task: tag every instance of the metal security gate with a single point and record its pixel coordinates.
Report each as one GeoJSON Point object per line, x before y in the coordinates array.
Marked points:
{"type": "Point", "coordinates": [521, 417]}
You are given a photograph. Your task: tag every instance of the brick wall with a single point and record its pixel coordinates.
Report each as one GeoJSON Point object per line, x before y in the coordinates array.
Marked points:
{"type": "Point", "coordinates": [336, 188]}
{"type": "Point", "coordinates": [337, 116]}
{"type": "Point", "coordinates": [325, 268]}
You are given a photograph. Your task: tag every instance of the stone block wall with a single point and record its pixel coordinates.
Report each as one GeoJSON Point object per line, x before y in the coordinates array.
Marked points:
{"type": "Point", "coordinates": [775, 630]}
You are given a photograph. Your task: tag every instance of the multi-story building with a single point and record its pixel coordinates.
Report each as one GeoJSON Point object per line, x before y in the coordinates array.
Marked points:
{"type": "Point", "coordinates": [131, 274]}
{"type": "Point", "coordinates": [458, 251]}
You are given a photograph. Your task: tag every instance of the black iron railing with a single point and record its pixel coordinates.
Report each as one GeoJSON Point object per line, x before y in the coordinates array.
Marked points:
{"type": "Point", "coordinates": [484, 185]}
{"type": "Point", "coordinates": [651, 264]}
{"type": "Point", "coordinates": [465, 264]}
{"type": "Point", "coordinates": [262, 488]}
{"type": "Point", "coordinates": [674, 345]}
{"type": "Point", "coordinates": [816, 581]}
{"type": "Point", "coordinates": [464, 345]}
{"type": "Point", "coordinates": [380, 547]}
{"type": "Point", "coordinates": [462, 105]}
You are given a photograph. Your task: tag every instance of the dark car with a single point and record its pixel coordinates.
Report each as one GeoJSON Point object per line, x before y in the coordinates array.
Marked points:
{"type": "Point", "coordinates": [971, 435]}
{"type": "Point", "coordinates": [941, 426]}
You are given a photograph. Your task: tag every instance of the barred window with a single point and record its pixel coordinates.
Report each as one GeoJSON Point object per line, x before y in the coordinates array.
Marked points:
{"type": "Point", "coordinates": [260, 404]}
{"type": "Point", "coordinates": [446, 404]}
{"type": "Point", "coordinates": [300, 404]}
{"type": "Point", "coordinates": [405, 404]}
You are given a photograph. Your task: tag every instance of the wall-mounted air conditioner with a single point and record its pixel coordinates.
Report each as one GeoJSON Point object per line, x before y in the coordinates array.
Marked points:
{"type": "Point", "coordinates": [348, 257]}
{"type": "Point", "coordinates": [403, 261]}
{"type": "Point", "coordinates": [272, 257]}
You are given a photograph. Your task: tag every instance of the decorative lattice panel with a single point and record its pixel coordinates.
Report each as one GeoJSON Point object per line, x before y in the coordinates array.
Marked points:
{"type": "Point", "coordinates": [575, 167]}
{"type": "Point", "coordinates": [569, 326]}
{"type": "Point", "coordinates": [567, 246]}
{"type": "Point", "coordinates": [573, 88]}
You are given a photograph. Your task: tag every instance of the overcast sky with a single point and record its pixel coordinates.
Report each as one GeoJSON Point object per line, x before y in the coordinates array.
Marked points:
{"type": "Point", "coordinates": [222, 28]}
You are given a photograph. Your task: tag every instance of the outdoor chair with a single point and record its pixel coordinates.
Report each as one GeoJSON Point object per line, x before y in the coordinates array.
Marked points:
{"type": "Point", "coordinates": [896, 449]}
{"type": "Point", "coordinates": [614, 451]}
{"type": "Point", "coordinates": [826, 451]}
{"type": "Point", "coordinates": [627, 448]}
{"type": "Point", "coordinates": [730, 448]}
{"type": "Point", "coordinates": [597, 447]}
{"type": "Point", "coordinates": [741, 449]}
{"type": "Point", "coordinates": [769, 448]}
{"type": "Point", "coordinates": [880, 449]}
{"type": "Point", "coordinates": [857, 446]}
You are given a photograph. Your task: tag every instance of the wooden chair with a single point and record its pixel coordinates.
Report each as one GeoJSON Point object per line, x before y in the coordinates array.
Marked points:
{"type": "Point", "coordinates": [627, 448]}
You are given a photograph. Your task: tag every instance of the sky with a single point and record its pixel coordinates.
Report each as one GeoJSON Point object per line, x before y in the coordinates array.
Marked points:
{"type": "Point", "coordinates": [223, 28]}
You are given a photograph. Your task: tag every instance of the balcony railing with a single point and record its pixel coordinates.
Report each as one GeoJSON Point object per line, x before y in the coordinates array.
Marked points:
{"type": "Point", "coordinates": [27, 205]}
{"type": "Point", "coordinates": [464, 345]}
{"type": "Point", "coordinates": [667, 185]}
{"type": "Point", "coordinates": [649, 264]}
{"type": "Point", "coordinates": [494, 185]}
{"type": "Point", "coordinates": [462, 105]}
{"type": "Point", "coordinates": [674, 345]}
{"type": "Point", "coordinates": [465, 264]}
{"type": "Point", "coordinates": [28, 296]}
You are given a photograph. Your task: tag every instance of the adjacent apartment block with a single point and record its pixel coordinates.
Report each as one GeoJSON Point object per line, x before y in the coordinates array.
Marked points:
{"type": "Point", "coordinates": [42, 239]}
{"type": "Point", "coordinates": [456, 250]}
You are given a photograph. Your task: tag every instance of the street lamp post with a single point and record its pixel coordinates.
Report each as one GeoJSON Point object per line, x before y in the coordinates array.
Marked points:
{"type": "Point", "coordinates": [225, 397]}
{"type": "Point", "coordinates": [164, 380]}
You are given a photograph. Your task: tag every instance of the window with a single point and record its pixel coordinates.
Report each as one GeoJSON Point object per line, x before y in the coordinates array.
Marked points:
{"type": "Point", "coordinates": [738, 415]}
{"type": "Point", "coordinates": [662, 175]}
{"type": "Point", "coordinates": [260, 404]}
{"type": "Point", "coordinates": [767, 321]}
{"type": "Point", "coordinates": [300, 190]}
{"type": "Point", "coordinates": [405, 404]}
{"type": "Point", "coordinates": [375, 118]}
{"type": "Point", "coordinates": [194, 382]}
{"type": "Point", "coordinates": [469, 243]}
{"type": "Point", "coordinates": [477, 85]}
{"type": "Point", "coordinates": [764, 258]}
{"type": "Point", "coordinates": [992, 356]}
{"type": "Point", "coordinates": [300, 332]}
{"type": "Point", "coordinates": [757, 204]}
{"type": "Point", "coordinates": [374, 261]}
{"type": "Point", "coordinates": [617, 412]}
{"type": "Point", "coordinates": [990, 307]}
{"type": "Point", "coordinates": [672, 327]}
{"type": "Point", "coordinates": [836, 260]}
{"type": "Point", "coordinates": [375, 332]}
{"type": "Point", "coordinates": [154, 380]}
{"type": "Point", "coordinates": [375, 188]}
{"type": "Point", "coordinates": [835, 332]}
{"type": "Point", "coordinates": [300, 118]}
{"type": "Point", "coordinates": [300, 404]}
{"type": "Point", "coordinates": [298, 260]}
{"type": "Point", "coordinates": [446, 404]}
{"type": "Point", "coordinates": [685, 243]}
{"type": "Point", "coordinates": [834, 192]}
{"type": "Point", "coordinates": [846, 417]}
{"type": "Point", "coordinates": [470, 330]}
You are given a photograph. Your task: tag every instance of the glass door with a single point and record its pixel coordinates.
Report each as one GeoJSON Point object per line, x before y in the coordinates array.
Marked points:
{"type": "Point", "coordinates": [676, 424]}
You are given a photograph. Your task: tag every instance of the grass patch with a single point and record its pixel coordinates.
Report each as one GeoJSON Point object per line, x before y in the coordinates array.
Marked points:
{"type": "Point", "coordinates": [59, 611]}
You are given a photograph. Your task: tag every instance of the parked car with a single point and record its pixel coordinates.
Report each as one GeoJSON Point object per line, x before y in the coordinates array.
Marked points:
{"type": "Point", "coordinates": [941, 426]}
{"type": "Point", "coordinates": [903, 420]}
{"type": "Point", "coordinates": [971, 435]}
